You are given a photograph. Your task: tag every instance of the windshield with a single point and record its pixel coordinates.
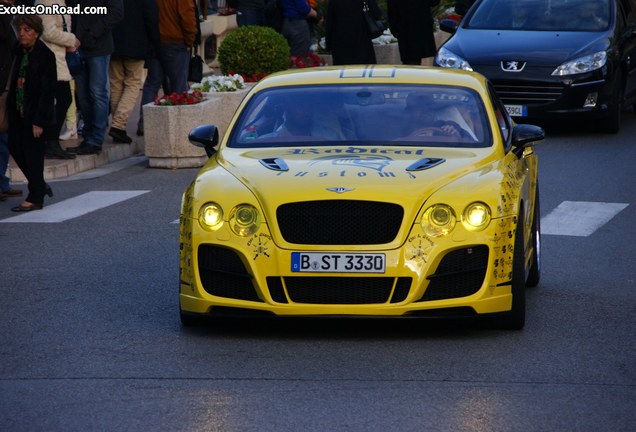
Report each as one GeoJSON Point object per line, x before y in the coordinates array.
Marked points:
{"type": "Point", "coordinates": [542, 15]}
{"type": "Point", "coordinates": [363, 114]}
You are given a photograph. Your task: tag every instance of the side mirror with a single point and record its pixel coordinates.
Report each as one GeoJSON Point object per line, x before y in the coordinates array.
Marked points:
{"type": "Point", "coordinates": [448, 25]}
{"type": "Point", "coordinates": [524, 135]}
{"type": "Point", "coordinates": [205, 136]}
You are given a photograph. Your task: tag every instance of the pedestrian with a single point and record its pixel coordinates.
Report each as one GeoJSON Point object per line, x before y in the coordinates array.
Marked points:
{"type": "Point", "coordinates": [7, 43]}
{"type": "Point", "coordinates": [462, 6]}
{"type": "Point", "coordinates": [31, 106]}
{"type": "Point", "coordinates": [133, 37]}
{"type": "Point", "coordinates": [249, 12]}
{"type": "Point", "coordinates": [59, 38]}
{"type": "Point", "coordinates": [346, 32]}
{"type": "Point", "coordinates": [177, 31]}
{"type": "Point", "coordinates": [92, 86]}
{"type": "Point", "coordinates": [296, 27]}
{"type": "Point", "coordinates": [411, 22]}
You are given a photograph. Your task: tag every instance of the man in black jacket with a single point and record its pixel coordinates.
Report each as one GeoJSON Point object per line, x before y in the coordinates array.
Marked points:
{"type": "Point", "coordinates": [92, 85]}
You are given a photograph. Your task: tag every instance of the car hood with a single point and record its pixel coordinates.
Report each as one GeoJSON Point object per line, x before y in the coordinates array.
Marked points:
{"type": "Point", "coordinates": [480, 47]}
{"type": "Point", "coordinates": [404, 175]}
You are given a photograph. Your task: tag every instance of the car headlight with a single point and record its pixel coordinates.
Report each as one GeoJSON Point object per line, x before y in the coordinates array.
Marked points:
{"type": "Point", "coordinates": [245, 220]}
{"type": "Point", "coordinates": [438, 220]}
{"type": "Point", "coordinates": [448, 59]}
{"type": "Point", "coordinates": [211, 216]}
{"type": "Point", "coordinates": [582, 64]}
{"type": "Point", "coordinates": [476, 216]}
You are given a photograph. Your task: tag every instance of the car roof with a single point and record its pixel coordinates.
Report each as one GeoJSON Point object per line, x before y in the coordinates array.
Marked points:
{"type": "Point", "coordinates": [374, 74]}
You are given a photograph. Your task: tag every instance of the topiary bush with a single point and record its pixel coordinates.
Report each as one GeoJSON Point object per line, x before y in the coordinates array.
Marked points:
{"type": "Point", "coordinates": [253, 51]}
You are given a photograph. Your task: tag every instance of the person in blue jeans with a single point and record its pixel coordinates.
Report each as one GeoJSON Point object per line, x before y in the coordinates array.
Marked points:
{"type": "Point", "coordinates": [91, 84]}
{"type": "Point", "coordinates": [296, 28]}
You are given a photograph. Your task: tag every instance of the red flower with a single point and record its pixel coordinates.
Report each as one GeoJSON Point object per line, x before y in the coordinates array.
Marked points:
{"type": "Point", "coordinates": [189, 97]}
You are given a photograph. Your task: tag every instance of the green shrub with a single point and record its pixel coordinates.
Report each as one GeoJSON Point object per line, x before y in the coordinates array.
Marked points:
{"type": "Point", "coordinates": [253, 50]}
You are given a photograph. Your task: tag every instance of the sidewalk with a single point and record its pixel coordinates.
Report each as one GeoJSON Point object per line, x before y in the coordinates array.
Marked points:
{"type": "Point", "coordinates": [56, 168]}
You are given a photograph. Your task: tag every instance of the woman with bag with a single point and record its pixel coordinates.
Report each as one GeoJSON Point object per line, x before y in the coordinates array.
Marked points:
{"type": "Point", "coordinates": [411, 22]}
{"type": "Point", "coordinates": [31, 105]}
{"type": "Point", "coordinates": [58, 37]}
{"type": "Point", "coordinates": [347, 33]}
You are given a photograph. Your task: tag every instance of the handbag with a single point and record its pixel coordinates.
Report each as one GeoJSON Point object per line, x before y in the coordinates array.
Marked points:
{"type": "Point", "coordinates": [74, 62]}
{"type": "Point", "coordinates": [4, 108]}
{"type": "Point", "coordinates": [73, 59]}
{"type": "Point", "coordinates": [375, 27]}
{"type": "Point", "coordinates": [195, 68]}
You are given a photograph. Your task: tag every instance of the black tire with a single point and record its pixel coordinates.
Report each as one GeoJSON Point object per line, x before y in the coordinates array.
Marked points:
{"type": "Point", "coordinates": [534, 275]}
{"type": "Point", "coordinates": [189, 320]}
{"type": "Point", "coordinates": [516, 318]}
{"type": "Point", "coordinates": [612, 122]}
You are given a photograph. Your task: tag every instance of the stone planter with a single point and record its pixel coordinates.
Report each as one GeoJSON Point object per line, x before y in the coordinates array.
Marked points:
{"type": "Point", "coordinates": [387, 54]}
{"type": "Point", "coordinates": [167, 128]}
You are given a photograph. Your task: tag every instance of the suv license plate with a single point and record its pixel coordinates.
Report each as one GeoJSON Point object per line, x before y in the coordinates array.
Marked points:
{"type": "Point", "coordinates": [338, 262]}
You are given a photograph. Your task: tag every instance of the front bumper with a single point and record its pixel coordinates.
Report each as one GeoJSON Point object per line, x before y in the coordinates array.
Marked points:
{"type": "Point", "coordinates": [463, 271]}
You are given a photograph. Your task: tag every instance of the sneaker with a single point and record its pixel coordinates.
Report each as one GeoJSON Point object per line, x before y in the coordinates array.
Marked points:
{"type": "Point", "coordinates": [69, 132]}
{"type": "Point", "coordinates": [119, 136]}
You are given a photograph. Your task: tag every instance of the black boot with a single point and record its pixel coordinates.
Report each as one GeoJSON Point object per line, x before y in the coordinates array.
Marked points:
{"type": "Point", "coordinates": [55, 151]}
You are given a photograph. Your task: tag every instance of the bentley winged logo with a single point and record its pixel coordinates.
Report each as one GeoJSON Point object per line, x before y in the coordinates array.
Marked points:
{"type": "Point", "coordinates": [340, 190]}
{"type": "Point", "coordinates": [512, 65]}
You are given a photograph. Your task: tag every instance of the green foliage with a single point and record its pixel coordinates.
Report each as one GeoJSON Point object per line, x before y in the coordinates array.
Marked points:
{"type": "Point", "coordinates": [253, 50]}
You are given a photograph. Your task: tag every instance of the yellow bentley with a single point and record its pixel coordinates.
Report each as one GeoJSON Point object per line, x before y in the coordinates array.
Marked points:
{"type": "Point", "coordinates": [379, 191]}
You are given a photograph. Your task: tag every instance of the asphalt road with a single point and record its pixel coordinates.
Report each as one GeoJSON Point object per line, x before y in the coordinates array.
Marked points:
{"type": "Point", "coordinates": [90, 338]}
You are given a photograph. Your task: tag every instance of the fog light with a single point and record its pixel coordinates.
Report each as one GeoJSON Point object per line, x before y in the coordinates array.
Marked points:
{"type": "Point", "coordinates": [590, 100]}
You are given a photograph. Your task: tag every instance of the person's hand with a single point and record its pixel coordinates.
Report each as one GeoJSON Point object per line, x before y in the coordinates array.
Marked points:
{"type": "Point", "coordinates": [37, 131]}
{"type": "Point", "coordinates": [450, 130]}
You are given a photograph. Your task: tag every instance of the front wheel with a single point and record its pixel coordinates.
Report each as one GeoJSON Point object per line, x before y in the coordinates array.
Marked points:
{"type": "Point", "coordinates": [612, 122]}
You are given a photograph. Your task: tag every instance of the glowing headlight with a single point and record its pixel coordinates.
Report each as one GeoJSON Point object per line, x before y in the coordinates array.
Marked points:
{"type": "Point", "coordinates": [438, 220]}
{"type": "Point", "coordinates": [211, 216]}
{"type": "Point", "coordinates": [582, 64]}
{"type": "Point", "coordinates": [476, 216]}
{"type": "Point", "coordinates": [245, 220]}
{"type": "Point", "coordinates": [448, 59]}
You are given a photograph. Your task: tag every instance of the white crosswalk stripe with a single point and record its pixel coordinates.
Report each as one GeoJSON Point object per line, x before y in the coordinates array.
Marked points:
{"type": "Point", "coordinates": [74, 207]}
{"type": "Point", "coordinates": [579, 218]}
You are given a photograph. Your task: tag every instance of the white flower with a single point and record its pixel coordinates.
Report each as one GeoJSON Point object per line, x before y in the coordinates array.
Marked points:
{"type": "Point", "coordinates": [224, 83]}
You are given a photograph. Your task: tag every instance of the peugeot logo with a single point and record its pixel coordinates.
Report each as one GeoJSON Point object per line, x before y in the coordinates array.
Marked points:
{"type": "Point", "coordinates": [512, 65]}
{"type": "Point", "coordinates": [340, 190]}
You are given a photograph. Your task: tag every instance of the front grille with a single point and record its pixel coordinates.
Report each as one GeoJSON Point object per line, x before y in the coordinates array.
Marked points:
{"type": "Point", "coordinates": [344, 290]}
{"type": "Point", "coordinates": [459, 274]}
{"type": "Point", "coordinates": [339, 222]}
{"type": "Point", "coordinates": [223, 274]}
{"type": "Point", "coordinates": [527, 93]}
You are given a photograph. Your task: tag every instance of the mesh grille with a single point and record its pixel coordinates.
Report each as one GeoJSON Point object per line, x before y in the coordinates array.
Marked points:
{"type": "Point", "coordinates": [339, 290]}
{"type": "Point", "coordinates": [339, 222]}
{"type": "Point", "coordinates": [460, 274]}
{"type": "Point", "coordinates": [223, 274]}
{"type": "Point", "coordinates": [524, 93]}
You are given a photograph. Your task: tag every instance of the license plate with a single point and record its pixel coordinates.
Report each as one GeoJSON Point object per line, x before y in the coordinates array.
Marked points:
{"type": "Point", "coordinates": [517, 110]}
{"type": "Point", "coordinates": [338, 262]}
